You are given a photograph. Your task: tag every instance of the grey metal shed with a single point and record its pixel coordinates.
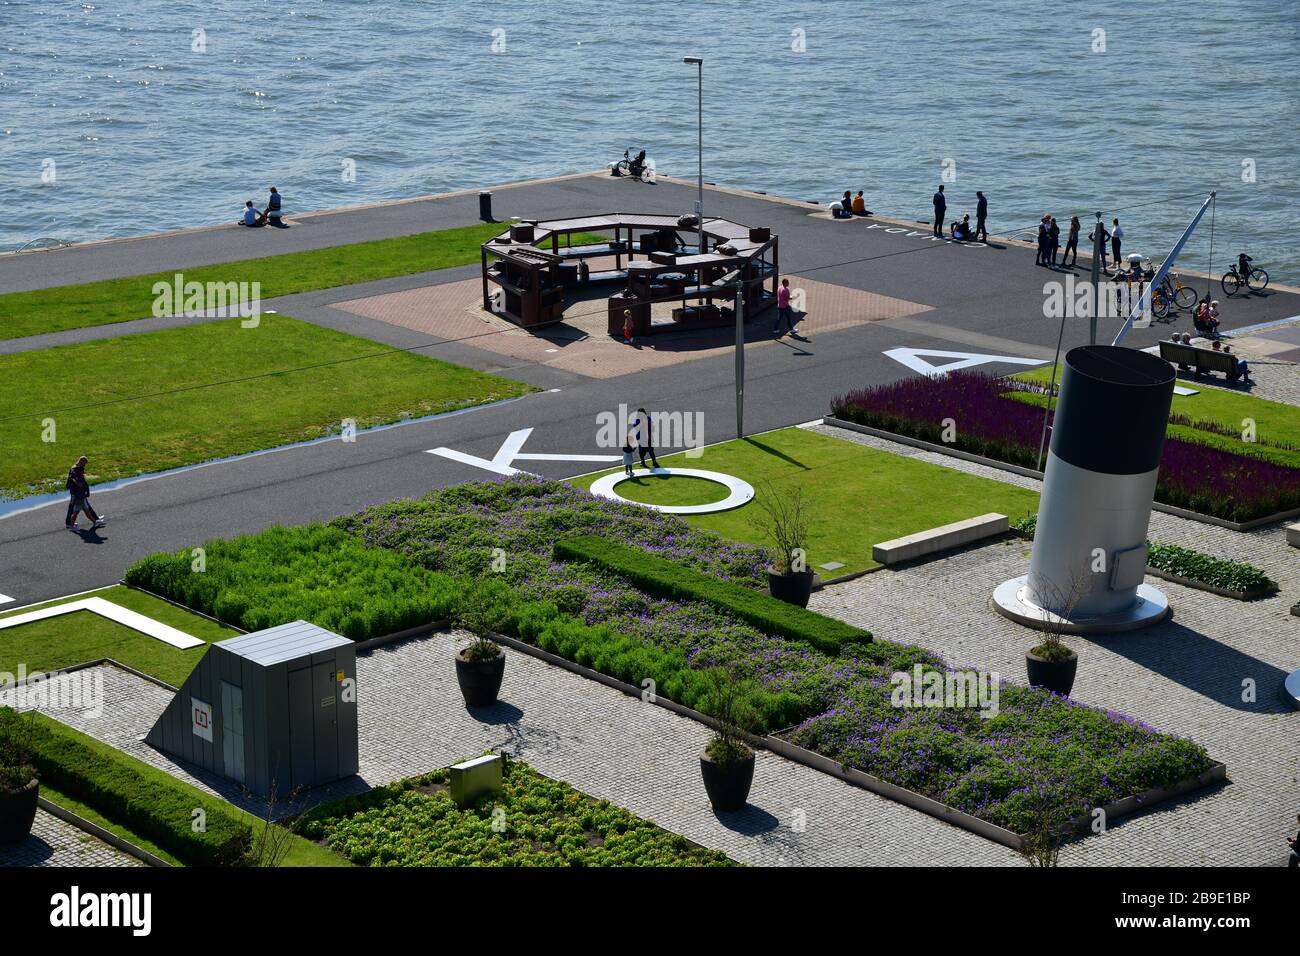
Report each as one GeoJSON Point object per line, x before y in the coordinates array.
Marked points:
{"type": "Point", "coordinates": [275, 710]}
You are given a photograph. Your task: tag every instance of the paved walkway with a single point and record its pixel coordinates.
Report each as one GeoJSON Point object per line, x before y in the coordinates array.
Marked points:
{"type": "Point", "coordinates": [53, 842]}
{"type": "Point", "coordinates": [1185, 676]}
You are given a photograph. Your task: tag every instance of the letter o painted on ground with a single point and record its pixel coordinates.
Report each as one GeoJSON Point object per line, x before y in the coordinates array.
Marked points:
{"type": "Point", "coordinates": [741, 492]}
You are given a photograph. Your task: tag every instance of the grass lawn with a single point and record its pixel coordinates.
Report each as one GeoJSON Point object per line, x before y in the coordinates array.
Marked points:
{"type": "Point", "coordinates": [159, 400]}
{"type": "Point", "coordinates": [1275, 422]}
{"type": "Point", "coordinates": [59, 642]}
{"type": "Point", "coordinates": [855, 496]}
{"type": "Point", "coordinates": [120, 300]}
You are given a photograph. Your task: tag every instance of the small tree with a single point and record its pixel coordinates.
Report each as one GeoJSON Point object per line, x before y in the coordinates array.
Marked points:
{"type": "Point", "coordinates": [730, 702]}
{"type": "Point", "coordinates": [271, 840]}
{"type": "Point", "coordinates": [1056, 613]}
{"type": "Point", "coordinates": [481, 611]}
{"type": "Point", "coordinates": [782, 519]}
{"type": "Point", "coordinates": [16, 767]}
{"type": "Point", "coordinates": [1042, 837]}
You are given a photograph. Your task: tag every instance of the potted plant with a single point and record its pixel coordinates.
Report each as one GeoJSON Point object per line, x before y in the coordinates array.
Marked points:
{"type": "Point", "coordinates": [1051, 665]}
{"type": "Point", "coordinates": [18, 784]}
{"type": "Point", "coordinates": [481, 665]}
{"type": "Point", "coordinates": [727, 764]}
{"type": "Point", "coordinates": [782, 520]}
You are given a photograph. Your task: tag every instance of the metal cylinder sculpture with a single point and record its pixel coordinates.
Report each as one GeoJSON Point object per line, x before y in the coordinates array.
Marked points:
{"type": "Point", "coordinates": [1090, 554]}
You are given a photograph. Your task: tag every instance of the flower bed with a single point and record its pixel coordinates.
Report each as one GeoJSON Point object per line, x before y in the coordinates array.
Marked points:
{"type": "Point", "coordinates": [981, 766]}
{"type": "Point", "coordinates": [1193, 476]}
{"type": "Point", "coordinates": [500, 535]}
{"type": "Point", "coordinates": [545, 823]}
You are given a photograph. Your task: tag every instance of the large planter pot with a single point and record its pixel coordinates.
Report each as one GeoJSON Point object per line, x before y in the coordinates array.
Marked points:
{"type": "Point", "coordinates": [17, 811]}
{"type": "Point", "coordinates": [727, 784]}
{"type": "Point", "coordinates": [793, 587]}
{"type": "Point", "coordinates": [1056, 676]}
{"type": "Point", "coordinates": [480, 680]}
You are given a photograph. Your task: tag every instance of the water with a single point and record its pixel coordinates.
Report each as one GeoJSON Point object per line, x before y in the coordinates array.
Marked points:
{"type": "Point", "coordinates": [146, 133]}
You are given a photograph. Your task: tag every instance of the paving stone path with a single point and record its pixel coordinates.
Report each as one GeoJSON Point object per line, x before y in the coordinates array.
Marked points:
{"type": "Point", "coordinates": [54, 842]}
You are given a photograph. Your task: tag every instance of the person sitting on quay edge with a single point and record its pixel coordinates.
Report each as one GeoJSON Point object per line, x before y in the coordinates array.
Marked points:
{"type": "Point", "coordinates": [962, 231]}
{"type": "Point", "coordinates": [843, 209]}
{"type": "Point", "coordinates": [1206, 317]}
{"type": "Point", "coordinates": [273, 204]}
{"type": "Point", "coordinates": [860, 205]}
{"type": "Point", "coordinates": [251, 217]}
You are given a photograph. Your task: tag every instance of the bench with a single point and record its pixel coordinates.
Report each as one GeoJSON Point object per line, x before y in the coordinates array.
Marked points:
{"type": "Point", "coordinates": [943, 538]}
{"type": "Point", "coordinates": [1200, 360]}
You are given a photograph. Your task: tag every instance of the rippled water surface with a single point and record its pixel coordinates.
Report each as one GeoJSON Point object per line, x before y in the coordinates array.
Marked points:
{"type": "Point", "coordinates": [146, 132]}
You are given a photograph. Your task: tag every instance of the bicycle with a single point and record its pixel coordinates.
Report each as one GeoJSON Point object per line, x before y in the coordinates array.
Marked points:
{"type": "Point", "coordinates": [634, 166]}
{"type": "Point", "coordinates": [1256, 280]}
{"type": "Point", "coordinates": [1170, 296]}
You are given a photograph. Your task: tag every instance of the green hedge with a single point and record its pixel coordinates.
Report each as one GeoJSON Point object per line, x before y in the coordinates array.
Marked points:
{"type": "Point", "coordinates": [663, 578]}
{"type": "Point", "coordinates": [123, 789]}
{"type": "Point", "coordinates": [315, 573]}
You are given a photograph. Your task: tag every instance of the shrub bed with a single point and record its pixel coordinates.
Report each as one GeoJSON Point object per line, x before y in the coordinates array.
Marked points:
{"type": "Point", "coordinates": [127, 791]}
{"type": "Point", "coordinates": [546, 823]}
{"type": "Point", "coordinates": [1207, 569]}
{"type": "Point", "coordinates": [1194, 476]}
{"type": "Point", "coordinates": [314, 573]}
{"type": "Point", "coordinates": [1185, 563]}
{"type": "Point", "coordinates": [665, 579]}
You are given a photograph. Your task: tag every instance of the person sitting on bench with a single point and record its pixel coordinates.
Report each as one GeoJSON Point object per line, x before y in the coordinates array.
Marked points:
{"type": "Point", "coordinates": [1243, 367]}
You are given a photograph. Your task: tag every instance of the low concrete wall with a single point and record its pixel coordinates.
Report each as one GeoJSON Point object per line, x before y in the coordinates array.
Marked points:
{"type": "Point", "coordinates": [943, 538]}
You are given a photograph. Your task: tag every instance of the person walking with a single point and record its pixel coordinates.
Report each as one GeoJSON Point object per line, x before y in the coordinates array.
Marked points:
{"type": "Point", "coordinates": [1072, 242]}
{"type": "Point", "coordinates": [783, 311]}
{"type": "Point", "coordinates": [981, 213]}
{"type": "Point", "coordinates": [79, 497]}
{"type": "Point", "coordinates": [1053, 240]}
{"type": "Point", "coordinates": [940, 210]}
{"type": "Point", "coordinates": [1116, 235]}
{"type": "Point", "coordinates": [643, 428]}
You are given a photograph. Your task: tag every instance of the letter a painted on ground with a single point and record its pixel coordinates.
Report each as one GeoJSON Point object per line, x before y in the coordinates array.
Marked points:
{"type": "Point", "coordinates": [913, 360]}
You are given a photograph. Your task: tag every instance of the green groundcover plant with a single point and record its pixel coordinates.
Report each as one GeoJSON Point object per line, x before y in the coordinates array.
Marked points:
{"type": "Point", "coordinates": [532, 821]}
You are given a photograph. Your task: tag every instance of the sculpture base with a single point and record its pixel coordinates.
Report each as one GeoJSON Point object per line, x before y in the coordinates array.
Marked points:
{"type": "Point", "coordinates": [1291, 689]}
{"type": "Point", "coordinates": [1011, 600]}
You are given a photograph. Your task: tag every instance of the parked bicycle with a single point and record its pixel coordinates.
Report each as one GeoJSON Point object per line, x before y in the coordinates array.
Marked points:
{"type": "Point", "coordinates": [634, 166]}
{"type": "Point", "coordinates": [1171, 295]}
{"type": "Point", "coordinates": [1243, 274]}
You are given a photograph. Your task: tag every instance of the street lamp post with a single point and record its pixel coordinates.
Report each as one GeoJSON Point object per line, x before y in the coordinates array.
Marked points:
{"type": "Point", "coordinates": [698, 62]}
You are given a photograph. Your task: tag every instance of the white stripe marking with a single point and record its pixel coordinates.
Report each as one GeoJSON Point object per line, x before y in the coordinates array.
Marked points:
{"type": "Point", "coordinates": [113, 612]}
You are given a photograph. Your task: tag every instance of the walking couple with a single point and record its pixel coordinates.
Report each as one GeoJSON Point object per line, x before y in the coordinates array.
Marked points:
{"type": "Point", "coordinates": [641, 437]}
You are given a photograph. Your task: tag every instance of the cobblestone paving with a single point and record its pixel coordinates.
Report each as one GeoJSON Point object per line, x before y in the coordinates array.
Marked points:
{"type": "Point", "coordinates": [1184, 676]}
{"type": "Point", "coordinates": [54, 842]}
